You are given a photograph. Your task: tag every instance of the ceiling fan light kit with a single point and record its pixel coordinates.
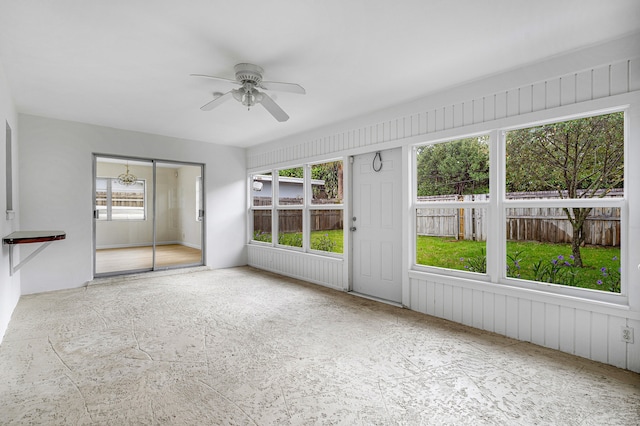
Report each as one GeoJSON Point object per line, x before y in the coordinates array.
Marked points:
{"type": "Point", "coordinates": [249, 77]}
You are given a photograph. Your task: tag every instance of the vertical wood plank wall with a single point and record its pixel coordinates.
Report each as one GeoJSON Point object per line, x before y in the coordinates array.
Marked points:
{"type": "Point", "coordinates": [604, 81]}
{"type": "Point", "coordinates": [575, 327]}
{"type": "Point", "coordinates": [324, 270]}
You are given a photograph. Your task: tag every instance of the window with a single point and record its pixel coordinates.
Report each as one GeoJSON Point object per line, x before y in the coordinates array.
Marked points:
{"type": "Point", "coordinates": [557, 212]}
{"type": "Point", "coordinates": [311, 222]}
{"type": "Point", "coordinates": [565, 192]}
{"type": "Point", "coordinates": [290, 204]}
{"type": "Point", "coordinates": [452, 193]}
{"type": "Point", "coordinates": [115, 201]}
{"type": "Point", "coordinates": [261, 205]}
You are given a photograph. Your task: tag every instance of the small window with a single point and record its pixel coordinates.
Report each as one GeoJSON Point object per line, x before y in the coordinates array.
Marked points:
{"type": "Point", "coordinates": [262, 226]}
{"type": "Point", "coordinates": [326, 183]}
{"type": "Point", "coordinates": [327, 230]}
{"type": "Point", "coordinates": [291, 187]}
{"type": "Point", "coordinates": [290, 227]}
{"type": "Point", "coordinates": [261, 189]}
{"type": "Point", "coordinates": [115, 201]}
{"type": "Point", "coordinates": [453, 171]}
{"type": "Point", "coordinates": [261, 204]}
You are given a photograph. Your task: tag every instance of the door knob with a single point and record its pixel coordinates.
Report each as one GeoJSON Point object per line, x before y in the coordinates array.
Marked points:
{"type": "Point", "coordinates": [353, 228]}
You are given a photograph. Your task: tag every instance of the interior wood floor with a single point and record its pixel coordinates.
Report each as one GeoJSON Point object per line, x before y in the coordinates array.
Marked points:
{"type": "Point", "coordinates": [134, 258]}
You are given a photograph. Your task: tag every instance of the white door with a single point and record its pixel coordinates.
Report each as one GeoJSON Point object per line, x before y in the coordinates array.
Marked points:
{"type": "Point", "coordinates": [377, 238]}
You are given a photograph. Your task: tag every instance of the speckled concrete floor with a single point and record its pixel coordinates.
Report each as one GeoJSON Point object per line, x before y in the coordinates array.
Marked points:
{"type": "Point", "coordinates": [240, 346]}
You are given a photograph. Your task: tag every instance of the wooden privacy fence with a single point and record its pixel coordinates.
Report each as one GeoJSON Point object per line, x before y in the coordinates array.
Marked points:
{"type": "Point", "coordinates": [551, 225]}
{"type": "Point", "coordinates": [291, 220]}
{"type": "Point", "coordinates": [544, 224]}
{"type": "Point", "coordinates": [462, 224]}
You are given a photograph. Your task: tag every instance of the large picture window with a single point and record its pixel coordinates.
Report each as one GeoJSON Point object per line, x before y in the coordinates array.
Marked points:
{"type": "Point", "coordinates": [564, 186]}
{"type": "Point", "coordinates": [555, 216]}
{"type": "Point", "coordinates": [308, 214]}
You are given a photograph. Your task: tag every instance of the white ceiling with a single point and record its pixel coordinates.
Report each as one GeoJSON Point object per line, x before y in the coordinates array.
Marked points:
{"type": "Point", "coordinates": [126, 64]}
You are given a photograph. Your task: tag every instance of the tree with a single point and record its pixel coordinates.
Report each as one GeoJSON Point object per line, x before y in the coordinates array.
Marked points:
{"type": "Point", "coordinates": [581, 158]}
{"type": "Point", "coordinates": [459, 167]}
{"type": "Point", "coordinates": [331, 173]}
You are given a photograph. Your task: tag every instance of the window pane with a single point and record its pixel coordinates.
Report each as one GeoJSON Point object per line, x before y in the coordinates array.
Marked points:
{"type": "Point", "coordinates": [261, 189]}
{"type": "Point", "coordinates": [326, 183]}
{"type": "Point", "coordinates": [101, 198]}
{"type": "Point", "coordinates": [291, 186]}
{"type": "Point", "coordinates": [581, 158]}
{"type": "Point", "coordinates": [452, 238]}
{"type": "Point", "coordinates": [290, 228]}
{"type": "Point", "coordinates": [327, 230]}
{"type": "Point", "coordinates": [127, 201]}
{"type": "Point", "coordinates": [577, 247]}
{"type": "Point", "coordinates": [453, 171]}
{"type": "Point", "coordinates": [262, 225]}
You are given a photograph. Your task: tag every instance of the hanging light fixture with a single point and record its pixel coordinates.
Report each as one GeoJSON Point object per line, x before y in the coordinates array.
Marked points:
{"type": "Point", "coordinates": [127, 178]}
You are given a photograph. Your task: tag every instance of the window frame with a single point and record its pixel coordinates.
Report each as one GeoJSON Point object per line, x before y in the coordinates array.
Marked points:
{"type": "Point", "coordinates": [496, 243]}
{"type": "Point", "coordinates": [253, 208]}
{"type": "Point", "coordinates": [305, 207]}
{"type": "Point", "coordinates": [415, 205]}
{"type": "Point", "coordinates": [618, 202]}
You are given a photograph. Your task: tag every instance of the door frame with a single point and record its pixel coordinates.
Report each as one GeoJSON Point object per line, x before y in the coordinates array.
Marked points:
{"type": "Point", "coordinates": [152, 208]}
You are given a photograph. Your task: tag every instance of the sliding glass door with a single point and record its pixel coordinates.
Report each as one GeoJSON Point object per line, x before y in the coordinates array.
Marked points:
{"type": "Point", "coordinates": [178, 215]}
{"type": "Point", "coordinates": [148, 215]}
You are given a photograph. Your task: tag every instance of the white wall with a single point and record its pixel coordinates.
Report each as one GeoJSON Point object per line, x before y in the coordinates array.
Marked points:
{"type": "Point", "coordinates": [9, 285]}
{"type": "Point", "coordinates": [55, 170]}
{"type": "Point", "coordinates": [593, 79]}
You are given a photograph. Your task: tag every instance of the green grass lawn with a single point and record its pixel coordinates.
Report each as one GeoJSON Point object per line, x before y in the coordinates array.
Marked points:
{"type": "Point", "coordinates": [330, 241]}
{"type": "Point", "coordinates": [456, 254]}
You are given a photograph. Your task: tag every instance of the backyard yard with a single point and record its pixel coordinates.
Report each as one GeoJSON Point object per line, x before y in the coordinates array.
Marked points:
{"type": "Point", "coordinates": [528, 260]}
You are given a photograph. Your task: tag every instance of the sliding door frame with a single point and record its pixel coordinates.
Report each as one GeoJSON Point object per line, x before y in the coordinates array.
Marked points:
{"type": "Point", "coordinates": [152, 209]}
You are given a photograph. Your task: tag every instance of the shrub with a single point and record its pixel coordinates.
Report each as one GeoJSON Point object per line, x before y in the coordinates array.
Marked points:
{"type": "Point", "coordinates": [323, 243]}
{"type": "Point", "coordinates": [262, 236]}
{"type": "Point", "coordinates": [610, 278]}
{"type": "Point", "coordinates": [556, 271]}
{"type": "Point", "coordinates": [293, 239]}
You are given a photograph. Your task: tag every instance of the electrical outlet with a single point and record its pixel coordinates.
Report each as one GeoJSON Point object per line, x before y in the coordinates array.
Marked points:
{"type": "Point", "coordinates": [627, 334]}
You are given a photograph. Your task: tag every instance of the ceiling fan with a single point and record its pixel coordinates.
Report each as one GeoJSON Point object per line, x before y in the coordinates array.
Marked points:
{"type": "Point", "coordinates": [249, 78]}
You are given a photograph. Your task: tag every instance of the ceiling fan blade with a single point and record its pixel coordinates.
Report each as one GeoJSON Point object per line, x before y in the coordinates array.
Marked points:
{"type": "Point", "coordinates": [273, 108]}
{"type": "Point", "coordinates": [213, 77]}
{"type": "Point", "coordinates": [217, 101]}
{"type": "Point", "coordinates": [283, 87]}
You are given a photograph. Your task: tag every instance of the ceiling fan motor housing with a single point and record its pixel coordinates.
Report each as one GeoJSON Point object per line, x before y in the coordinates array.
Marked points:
{"type": "Point", "coordinates": [249, 73]}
